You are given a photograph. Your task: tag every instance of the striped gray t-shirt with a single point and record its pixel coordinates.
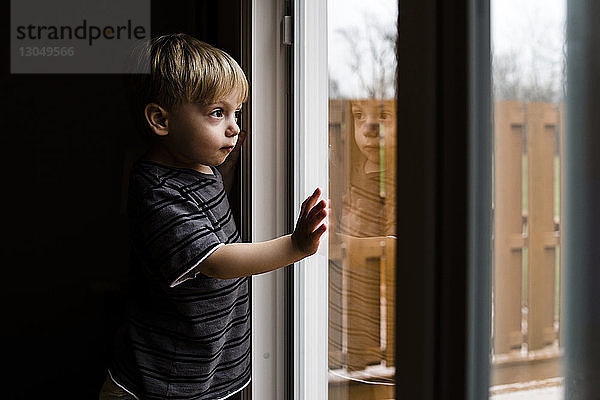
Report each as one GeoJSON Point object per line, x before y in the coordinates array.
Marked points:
{"type": "Point", "coordinates": [187, 335]}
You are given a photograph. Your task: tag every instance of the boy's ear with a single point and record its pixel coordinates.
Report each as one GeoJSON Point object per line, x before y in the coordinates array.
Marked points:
{"type": "Point", "coordinates": [156, 116]}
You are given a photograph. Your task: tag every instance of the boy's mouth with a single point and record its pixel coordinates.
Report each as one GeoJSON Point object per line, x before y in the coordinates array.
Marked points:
{"type": "Point", "coordinates": [227, 148]}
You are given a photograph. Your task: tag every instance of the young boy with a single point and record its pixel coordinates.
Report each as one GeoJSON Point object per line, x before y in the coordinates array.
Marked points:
{"type": "Point", "coordinates": [187, 334]}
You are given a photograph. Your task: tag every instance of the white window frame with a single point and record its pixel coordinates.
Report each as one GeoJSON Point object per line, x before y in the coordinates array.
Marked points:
{"type": "Point", "coordinates": [311, 171]}
{"type": "Point", "coordinates": [269, 186]}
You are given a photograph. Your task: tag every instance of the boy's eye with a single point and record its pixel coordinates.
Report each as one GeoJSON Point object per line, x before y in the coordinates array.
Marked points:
{"type": "Point", "coordinates": [237, 114]}
{"type": "Point", "coordinates": [358, 115]}
{"type": "Point", "coordinates": [217, 113]}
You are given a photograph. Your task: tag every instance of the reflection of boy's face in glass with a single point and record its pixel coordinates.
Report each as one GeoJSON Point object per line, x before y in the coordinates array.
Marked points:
{"type": "Point", "coordinates": [368, 115]}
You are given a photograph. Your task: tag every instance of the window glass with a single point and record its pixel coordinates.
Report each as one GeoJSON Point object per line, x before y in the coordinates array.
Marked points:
{"type": "Point", "coordinates": [528, 69]}
{"type": "Point", "coordinates": [362, 188]}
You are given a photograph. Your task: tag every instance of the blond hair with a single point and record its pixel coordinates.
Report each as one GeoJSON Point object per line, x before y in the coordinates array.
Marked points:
{"type": "Point", "coordinates": [182, 69]}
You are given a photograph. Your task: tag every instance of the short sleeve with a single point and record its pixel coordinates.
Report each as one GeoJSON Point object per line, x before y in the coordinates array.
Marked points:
{"type": "Point", "coordinates": [175, 233]}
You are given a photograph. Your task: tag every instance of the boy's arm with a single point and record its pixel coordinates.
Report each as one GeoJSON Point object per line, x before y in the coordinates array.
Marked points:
{"type": "Point", "coordinates": [244, 259]}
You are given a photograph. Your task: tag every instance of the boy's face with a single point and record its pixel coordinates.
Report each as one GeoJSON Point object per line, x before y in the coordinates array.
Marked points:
{"type": "Point", "coordinates": [369, 117]}
{"type": "Point", "coordinates": [202, 136]}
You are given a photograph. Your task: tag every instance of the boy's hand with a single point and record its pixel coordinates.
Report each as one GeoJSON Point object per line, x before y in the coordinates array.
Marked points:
{"type": "Point", "coordinates": [309, 229]}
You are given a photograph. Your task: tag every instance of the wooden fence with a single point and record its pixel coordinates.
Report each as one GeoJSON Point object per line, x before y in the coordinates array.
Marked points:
{"type": "Point", "coordinates": [526, 260]}
{"type": "Point", "coordinates": [528, 143]}
{"type": "Point", "coordinates": [362, 229]}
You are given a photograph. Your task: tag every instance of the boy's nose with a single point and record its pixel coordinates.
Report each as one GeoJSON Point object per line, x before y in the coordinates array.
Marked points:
{"type": "Point", "coordinates": [233, 130]}
{"type": "Point", "coordinates": [371, 129]}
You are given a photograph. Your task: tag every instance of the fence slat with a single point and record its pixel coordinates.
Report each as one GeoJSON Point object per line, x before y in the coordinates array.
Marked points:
{"type": "Point", "coordinates": [561, 152]}
{"type": "Point", "coordinates": [542, 119]}
{"type": "Point", "coordinates": [389, 266]}
{"type": "Point", "coordinates": [508, 222]}
{"type": "Point", "coordinates": [361, 268]}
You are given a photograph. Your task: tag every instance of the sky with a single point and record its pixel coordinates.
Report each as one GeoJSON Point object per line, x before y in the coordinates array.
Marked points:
{"type": "Point", "coordinates": [531, 30]}
{"type": "Point", "coordinates": [515, 22]}
{"type": "Point", "coordinates": [344, 14]}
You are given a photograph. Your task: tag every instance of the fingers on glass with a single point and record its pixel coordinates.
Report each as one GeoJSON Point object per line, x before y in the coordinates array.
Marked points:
{"type": "Point", "coordinates": [318, 232]}
{"type": "Point", "coordinates": [309, 203]}
{"type": "Point", "coordinates": [319, 207]}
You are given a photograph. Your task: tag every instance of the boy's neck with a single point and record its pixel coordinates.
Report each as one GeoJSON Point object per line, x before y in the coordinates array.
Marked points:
{"type": "Point", "coordinates": [161, 156]}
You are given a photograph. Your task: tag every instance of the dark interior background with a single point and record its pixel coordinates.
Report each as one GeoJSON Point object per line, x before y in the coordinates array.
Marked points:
{"type": "Point", "coordinates": [66, 145]}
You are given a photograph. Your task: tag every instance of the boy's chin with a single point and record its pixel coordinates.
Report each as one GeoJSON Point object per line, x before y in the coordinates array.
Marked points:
{"type": "Point", "coordinates": [225, 158]}
{"type": "Point", "coordinates": [218, 164]}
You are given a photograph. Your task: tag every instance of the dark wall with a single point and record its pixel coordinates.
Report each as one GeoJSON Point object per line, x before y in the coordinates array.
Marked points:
{"type": "Point", "coordinates": [65, 145]}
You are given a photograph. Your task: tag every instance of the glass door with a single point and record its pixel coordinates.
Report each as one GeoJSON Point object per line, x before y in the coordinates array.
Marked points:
{"type": "Point", "coordinates": [528, 75]}
{"type": "Point", "coordinates": [362, 192]}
